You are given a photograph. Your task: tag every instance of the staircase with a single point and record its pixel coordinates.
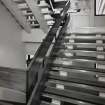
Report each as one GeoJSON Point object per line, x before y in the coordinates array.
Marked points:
{"type": "Point", "coordinates": [45, 10]}
{"type": "Point", "coordinates": [24, 8]}
{"type": "Point", "coordinates": [27, 12]}
{"type": "Point", "coordinates": [76, 73]}
{"type": "Point", "coordinates": [73, 72]}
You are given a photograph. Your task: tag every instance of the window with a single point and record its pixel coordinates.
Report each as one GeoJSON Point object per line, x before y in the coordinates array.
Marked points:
{"type": "Point", "coordinates": [99, 7]}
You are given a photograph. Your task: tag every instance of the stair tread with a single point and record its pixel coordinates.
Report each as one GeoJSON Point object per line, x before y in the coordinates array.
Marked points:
{"type": "Point", "coordinates": [93, 89]}
{"type": "Point", "coordinates": [65, 99]}
{"type": "Point", "coordinates": [78, 80]}
{"type": "Point", "coordinates": [76, 95]}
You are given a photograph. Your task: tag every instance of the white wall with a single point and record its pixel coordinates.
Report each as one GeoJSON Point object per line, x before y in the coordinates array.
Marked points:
{"type": "Point", "coordinates": [82, 18]}
{"type": "Point", "coordinates": [85, 18]}
{"type": "Point", "coordinates": [12, 50]}
{"type": "Point", "coordinates": [33, 40]}
{"type": "Point", "coordinates": [36, 35]}
{"type": "Point", "coordinates": [31, 48]}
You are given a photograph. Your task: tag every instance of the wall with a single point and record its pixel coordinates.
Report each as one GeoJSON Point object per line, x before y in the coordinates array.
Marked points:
{"type": "Point", "coordinates": [82, 18]}
{"type": "Point", "coordinates": [36, 35]}
{"type": "Point", "coordinates": [33, 40]}
{"type": "Point", "coordinates": [12, 50]}
{"type": "Point", "coordinates": [86, 17]}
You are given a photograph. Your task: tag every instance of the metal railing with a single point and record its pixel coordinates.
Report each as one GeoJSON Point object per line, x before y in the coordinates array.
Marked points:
{"type": "Point", "coordinates": [36, 70]}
